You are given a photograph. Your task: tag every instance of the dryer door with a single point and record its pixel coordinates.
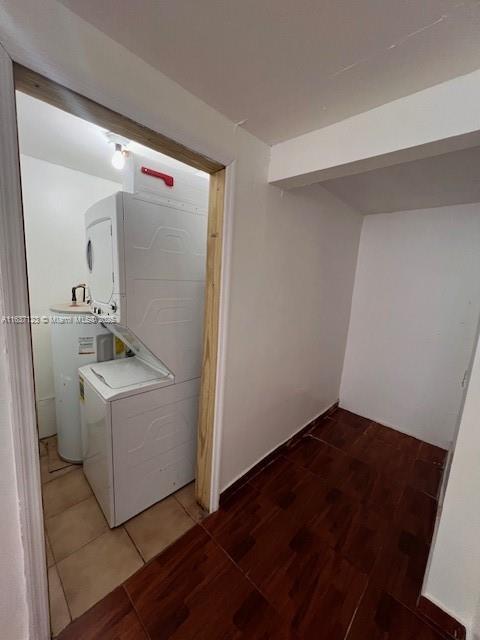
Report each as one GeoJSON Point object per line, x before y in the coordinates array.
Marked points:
{"type": "Point", "coordinates": [100, 260]}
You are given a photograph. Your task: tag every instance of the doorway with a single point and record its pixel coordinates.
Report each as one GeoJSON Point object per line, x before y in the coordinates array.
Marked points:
{"type": "Point", "coordinates": [55, 466]}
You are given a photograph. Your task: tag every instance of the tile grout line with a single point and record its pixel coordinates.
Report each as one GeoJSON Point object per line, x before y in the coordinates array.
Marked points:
{"type": "Point", "coordinates": [69, 556]}
{"type": "Point", "coordinates": [413, 611]}
{"type": "Point", "coordinates": [349, 454]}
{"type": "Point", "coordinates": [65, 596]}
{"type": "Point", "coordinates": [406, 484]}
{"type": "Point", "coordinates": [246, 575]}
{"type": "Point", "coordinates": [85, 545]}
{"type": "Point", "coordinates": [59, 513]}
{"type": "Point", "coordinates": [65, 466]}
{"type": "Point", "coordinates": [404, 488]}
{"type": "Point", "coordinates": [61, 475]}
{"type": "Point", "coordinates": [186, 511]}
{"type": "Point", "coordinates": [420, 617]}
{"type": "Point", "coordinates": [234, 563]}
{"type": "Point", "coordinates": [54, 566]}
{"type": "Point", "coordinates": [248, 578]}
{"type": "Point", "coordinates": [257, 588]}
{"type": "Point", "coordinates": [137, 614]}
{"type": "Point", "coordinates": [354, 615]}
{"type": "Point", "coordinates": [81, 546]}
{"type": "Point", "coordinates": [151, 560]}
{"type": "Point", "coordinates": [279, 613]}
{"type": "Point", "coordinates": [72, 619]}
{"type": "Point", "coordinates": [122, 584]}
{"type": "Point", "coordinates": [137, 549]}
{"type": "Point", "coordinates": [169, 545]}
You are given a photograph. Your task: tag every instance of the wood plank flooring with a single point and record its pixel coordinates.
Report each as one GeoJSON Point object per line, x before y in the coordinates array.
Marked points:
{"type": "Point", "coordinates": [329, 541]}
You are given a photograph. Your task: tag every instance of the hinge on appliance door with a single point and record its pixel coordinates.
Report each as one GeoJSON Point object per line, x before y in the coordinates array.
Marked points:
{"type": "Point", "coordinates": [113, 276]}
{"type": "Point", "coordinates": [465, 378]}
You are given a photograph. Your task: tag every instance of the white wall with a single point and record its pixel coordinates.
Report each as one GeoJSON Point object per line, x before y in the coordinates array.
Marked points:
{"type": "Point", "coordinates": [288, 325]}
{"type": "Point", "coordinates": [453, 579]}
{"type": "Point", "coordinates": [475, 626]}
{"type": "Point", "coordinates": [54, 200]}
{"type": "Point", "coordinates": [414, 316]}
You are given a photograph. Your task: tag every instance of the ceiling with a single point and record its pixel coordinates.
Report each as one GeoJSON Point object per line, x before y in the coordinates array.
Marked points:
{"type": "Point", "coordinates": [452, 178]}
{"type": "Point", "coordinates": [292, 66]}
{"type": "Point", "coordinates": [448, 179]}
{"type": "Point", "coordinates": [49, 134]}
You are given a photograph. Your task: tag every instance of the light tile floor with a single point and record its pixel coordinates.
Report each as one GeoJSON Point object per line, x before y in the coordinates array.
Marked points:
{"type": "Point", "coordinates": [86, 560]}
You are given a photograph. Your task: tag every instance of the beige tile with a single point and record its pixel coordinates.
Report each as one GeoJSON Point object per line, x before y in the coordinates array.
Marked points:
{"type": "Point", "coordinates": [42, 448]}
{"type": "Point", "coordinates": [48, 551]}
{"type": "Point", "coordinates": [186, 497]}
{"type": "Point", "coordinates": [93, 571]}
{"type": "Point", "coordinates": [59, 614]}
{"type": "Point", "coordinates": [74, 527]}
{"type": "Point", "coordinates": [64, 492]}
{"type": "Point", "coordinates": [158, 527]}
{"type": "Point", "coordinates": [55, 463]}
{"type": "Point", "coordinates": [48, 476]}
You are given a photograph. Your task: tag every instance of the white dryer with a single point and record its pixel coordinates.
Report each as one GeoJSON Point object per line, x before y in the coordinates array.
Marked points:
{"type": "Point", "coordinates": [146, 275]}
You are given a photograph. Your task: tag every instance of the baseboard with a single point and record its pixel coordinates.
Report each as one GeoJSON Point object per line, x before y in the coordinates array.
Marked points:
{"type": "Point", "coordinates": [386, 423]}
{"type": "Point", "coordinates": [261, 464]}
{"type": "Point", "coordinates": [442, 620]}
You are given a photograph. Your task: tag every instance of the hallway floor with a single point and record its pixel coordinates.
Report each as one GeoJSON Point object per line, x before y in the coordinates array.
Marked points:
{"type": "Point", "coordinates": [328, 541]}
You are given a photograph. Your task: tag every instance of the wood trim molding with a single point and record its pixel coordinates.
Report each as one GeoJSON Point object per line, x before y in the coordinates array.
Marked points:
{"type": "Point", "coordinates": [16, 353]}
{"type": "Point", "coordinates": [206, 417]}
{"type": "Point", "coordinates": [441, 620]}
{"type": "Point", "coordinates": [63, 98]}
{"type": "Point", "coordinates": [237, 484]}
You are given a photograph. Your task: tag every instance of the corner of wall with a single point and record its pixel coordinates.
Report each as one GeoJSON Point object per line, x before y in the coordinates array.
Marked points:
{"type": "Point", "coordinates": [352, 302]}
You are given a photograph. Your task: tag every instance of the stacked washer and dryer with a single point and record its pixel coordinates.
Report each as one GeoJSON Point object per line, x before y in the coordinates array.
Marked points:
{"type": "Point", "coordinates": [146, 253]}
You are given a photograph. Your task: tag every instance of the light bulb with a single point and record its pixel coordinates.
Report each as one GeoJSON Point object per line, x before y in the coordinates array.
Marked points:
{"type": "Point", "coordinates": [118, 158]}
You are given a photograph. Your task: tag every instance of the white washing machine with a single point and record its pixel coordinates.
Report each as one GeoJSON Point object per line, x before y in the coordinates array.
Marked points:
{"type": "Point", "coordinates": [139, 435]}
{"type": "Point", "coordinates": [77, 339]}
{"type": "Point", "coordinates": [146, 254]}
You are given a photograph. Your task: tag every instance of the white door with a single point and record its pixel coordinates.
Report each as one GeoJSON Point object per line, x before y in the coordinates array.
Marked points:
{"type": "Point", "coordinates": [99, 252]}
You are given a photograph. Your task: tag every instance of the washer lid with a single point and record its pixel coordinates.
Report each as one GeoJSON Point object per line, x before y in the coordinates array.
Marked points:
{"type": "Point", "coordinates": [127, 372]}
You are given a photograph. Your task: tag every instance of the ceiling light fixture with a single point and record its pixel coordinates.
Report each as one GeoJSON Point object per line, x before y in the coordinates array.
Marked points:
{"type": "Point", "coordinates": [120, 153]}
{"type": "Point", "coordinates": [118, 158]}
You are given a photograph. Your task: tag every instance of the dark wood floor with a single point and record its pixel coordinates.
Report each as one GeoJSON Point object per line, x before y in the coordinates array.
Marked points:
{"type": "Point", "coordinates": [328, 542]}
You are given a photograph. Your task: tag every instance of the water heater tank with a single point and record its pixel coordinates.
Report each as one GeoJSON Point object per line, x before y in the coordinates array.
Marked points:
{"type": "Point", "coordinates": [77, 339]}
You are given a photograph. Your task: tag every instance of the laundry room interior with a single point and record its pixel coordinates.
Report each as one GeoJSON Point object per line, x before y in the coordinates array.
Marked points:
{"type": "Point", "coordinates": [117, 333]}
{"type": "Point", "coordinates": [68, 166]}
